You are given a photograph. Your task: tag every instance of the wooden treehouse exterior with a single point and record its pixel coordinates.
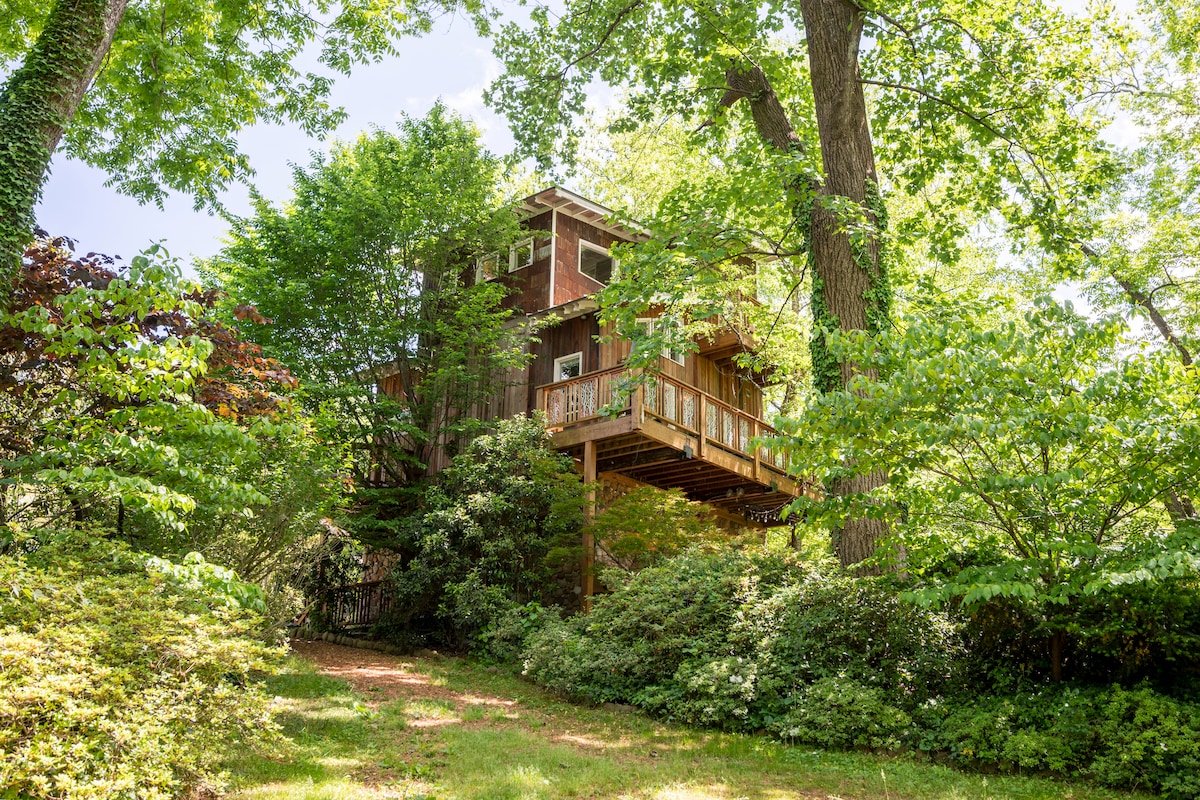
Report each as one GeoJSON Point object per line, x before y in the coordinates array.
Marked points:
{"type": "Point", "coordinates": [666, 433]}
{"type": "Point", "coordinates": [693, 423]}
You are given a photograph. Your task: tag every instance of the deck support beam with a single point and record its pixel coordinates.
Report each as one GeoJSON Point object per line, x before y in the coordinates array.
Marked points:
{"type": "Point", "coordinates": [588, 579]}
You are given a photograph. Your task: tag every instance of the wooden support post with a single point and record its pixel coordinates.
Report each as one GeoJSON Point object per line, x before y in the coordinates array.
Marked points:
{"type": "Point", "coordinates": [702, 428]}
{"type": "Point", "coordinates": [755, 433]}
{"type": "Point", "coordinates": [588, 583]}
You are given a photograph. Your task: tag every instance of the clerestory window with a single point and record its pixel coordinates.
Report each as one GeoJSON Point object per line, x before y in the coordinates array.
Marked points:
{"type": "Point", "coordinates": [595, 262]}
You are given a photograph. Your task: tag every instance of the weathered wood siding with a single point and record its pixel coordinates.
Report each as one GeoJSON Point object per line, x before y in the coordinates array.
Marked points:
{"type": "Point", "coordinates": [569, 283]}
{"type": "Point", "coordinates": [532, 283]}
{"type": "Point", "coordinates": [570, 336]}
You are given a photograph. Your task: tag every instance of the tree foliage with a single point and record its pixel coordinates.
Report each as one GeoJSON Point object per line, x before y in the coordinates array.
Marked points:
{"type": "Point", "coordinates": [179, 81]}
{"type": "Point", "coordinates": [479, 544]}
{"type": "Point", "coordinates": [646, 525]}
{"type": "Point", "coordinates": [1007, 101]}
{"type": "Point", "coordinates": [109, 398]}
{"type": "Point", "coordinates": [1041, 448]}
{"type": "Point", "coordinates": [367, 275]}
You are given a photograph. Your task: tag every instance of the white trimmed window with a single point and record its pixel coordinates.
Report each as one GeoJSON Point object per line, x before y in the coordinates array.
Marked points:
{"type": "Point", "coordinates": [487, 267]}
{"type": "Point", "coordinates": [521, 255]}
{"type": "Point", "coordinates": [649, 325]}
{"type": "Point", "coordinates": [567, 367]}
{"type": "Point", "coordinates": [596, 262]}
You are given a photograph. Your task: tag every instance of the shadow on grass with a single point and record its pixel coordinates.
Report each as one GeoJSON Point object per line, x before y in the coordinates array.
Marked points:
{"type": "Point", "coordinates": [329, 742]}
{"type": "Point", "coordinates": [500, 738]}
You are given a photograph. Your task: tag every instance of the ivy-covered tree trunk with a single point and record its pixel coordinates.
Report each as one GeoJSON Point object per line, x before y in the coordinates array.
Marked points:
{"type": "Point", "coordinates": [37, 103]}
{"type": "Point", "coordinates": [850, 286]}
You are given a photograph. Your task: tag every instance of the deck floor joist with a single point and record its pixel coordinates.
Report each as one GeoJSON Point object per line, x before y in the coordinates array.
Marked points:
{"type": "Point", "coordinates": [680, 463]}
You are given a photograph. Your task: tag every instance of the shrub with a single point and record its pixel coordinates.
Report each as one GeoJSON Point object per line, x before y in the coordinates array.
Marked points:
{"type": "Point", "coordinates": [1126, 738]}
{"type": "Point", "coordinates": [839, 712]}
{"type": "Point", "coordinates": [858, 628]}
{"type": "Point", "coordinates": [117, 681]}
{"type": "Point", "coordinates": [733, 640]}
{"type": "Point", "coordinates": [1148, 740]}
{"type": "Point", "coordinates": [478, 545]}
{"type": "Point", "coordinates": [505, 639]}
{"type": "Point", "coordinates": [642, 633]}
{"type": "Point", "coordinates": [750, 641]}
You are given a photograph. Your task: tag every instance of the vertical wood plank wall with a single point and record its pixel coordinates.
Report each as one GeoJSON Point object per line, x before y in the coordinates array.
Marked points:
{"type": "Point", "coordinates": [569, 283]}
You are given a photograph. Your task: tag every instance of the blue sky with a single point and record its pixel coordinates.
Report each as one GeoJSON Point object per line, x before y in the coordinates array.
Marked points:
{"type": "Point", "coordinates": [451, 62]}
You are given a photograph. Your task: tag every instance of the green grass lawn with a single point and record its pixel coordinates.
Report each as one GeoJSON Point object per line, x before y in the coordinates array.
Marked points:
{"type": "Point", "coordinates": [466, 732]}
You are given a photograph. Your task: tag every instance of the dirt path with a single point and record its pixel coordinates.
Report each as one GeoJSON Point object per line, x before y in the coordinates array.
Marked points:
{"type": "Point", "coordinates": [381, 679]}
{"type": "Point", "coordinates": [379, 676]}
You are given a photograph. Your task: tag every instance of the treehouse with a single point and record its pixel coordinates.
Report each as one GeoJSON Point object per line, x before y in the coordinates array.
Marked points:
{"type": "Point", "coordinates": [691, 422]}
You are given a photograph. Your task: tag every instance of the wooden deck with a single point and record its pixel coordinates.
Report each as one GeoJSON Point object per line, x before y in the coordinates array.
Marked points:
{"type": "Point", "coordinates": [662, 432]}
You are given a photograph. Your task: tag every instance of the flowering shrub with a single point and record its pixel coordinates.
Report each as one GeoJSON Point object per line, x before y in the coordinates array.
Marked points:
{"type": "Point", "coordinates": [117, 681]}
{"type": "Point", "coordinates": [732, 639]}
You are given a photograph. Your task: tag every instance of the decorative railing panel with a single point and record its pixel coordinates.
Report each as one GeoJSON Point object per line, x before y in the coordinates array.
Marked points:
{"type": "Point", "coordinates": [667, 400]}
{"type": "Point", "coordinates": [580, 399]}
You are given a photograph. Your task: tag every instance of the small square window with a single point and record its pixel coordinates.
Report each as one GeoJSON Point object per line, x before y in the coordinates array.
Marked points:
{"type": "Point", "coordinates": [521, 255]}
{"type": "Point", "coordinates": [567, 367]}
{"type": "Point", "coordinates": [487, 267]}
{"type": "Point", "coordinates": [595, 262]}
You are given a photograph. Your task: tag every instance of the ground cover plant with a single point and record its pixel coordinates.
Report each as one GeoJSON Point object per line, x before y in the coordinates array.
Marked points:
{"type": "Point", "coordinates": [366, 725]}
{"type": "Point", "coordinates": [122, 676]}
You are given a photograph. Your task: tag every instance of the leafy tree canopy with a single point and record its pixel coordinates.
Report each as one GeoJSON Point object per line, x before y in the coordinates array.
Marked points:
{"type": "Point", "coordinates": [155, 93]}
{"type": "Point", "coordinates": [181, 79]}
{"type": "Point", "coordinates": [107, 393]}
{"type": "Point", "coordinates": [1041, 448]}
{"type": "Point", "coordinates": [368, 276]}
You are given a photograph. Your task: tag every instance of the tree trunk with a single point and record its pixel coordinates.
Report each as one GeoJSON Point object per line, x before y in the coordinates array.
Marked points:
{"type": "Point", "coordinates": [1057, 639]}
{"type": "Point", "coordinates": [850, 287]}
{"type": "Point", "coordinates": [36, 105]}
{"type": "Point", "coordinates": [1179, 506]}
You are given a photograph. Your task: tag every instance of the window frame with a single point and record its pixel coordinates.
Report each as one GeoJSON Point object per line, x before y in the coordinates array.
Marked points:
{"type": "Point", "coordinates": [584, 244]}
{"type": "Point", "coordinates": [557, 374]}
{"type": "Point", "coordinates": [528, 241]}
{"type": "Point", "coordinates": [481, 275]}
{"type": "Point", "coordinates": [678, 357]}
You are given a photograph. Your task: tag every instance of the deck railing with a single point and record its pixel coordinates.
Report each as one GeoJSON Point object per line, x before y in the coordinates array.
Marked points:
{"type": "Point", "coordinates": [597, 395]}
{"type": "Point", "coordinates": [583, 398]}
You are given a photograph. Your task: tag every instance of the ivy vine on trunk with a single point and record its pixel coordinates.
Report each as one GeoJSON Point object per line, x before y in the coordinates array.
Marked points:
{"type": "Point", "coordinates": [36, 105]}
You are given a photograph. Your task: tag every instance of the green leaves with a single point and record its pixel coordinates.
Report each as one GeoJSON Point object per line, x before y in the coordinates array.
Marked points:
{"type": "Point", "coordinates": [222, 585]}
{"type": "Point", "coordinates": [366, 275]}
{"type": "Point", "coordinates": [122, 674]}
{"type": "Point", "coordinates": [481, 542]}
{"type": "Point", "coordinates": [99, 384]}
{"type": "Point", "coordinates": [182, 79]}
{"type": "Point", "coordinates": [1049, 438]}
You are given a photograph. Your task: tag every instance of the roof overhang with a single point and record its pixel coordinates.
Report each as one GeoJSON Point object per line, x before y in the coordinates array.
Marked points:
{"type": "Point", "coordinates": [576, 308]}
{"type": "Point", "coordinates": [567, 202]}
